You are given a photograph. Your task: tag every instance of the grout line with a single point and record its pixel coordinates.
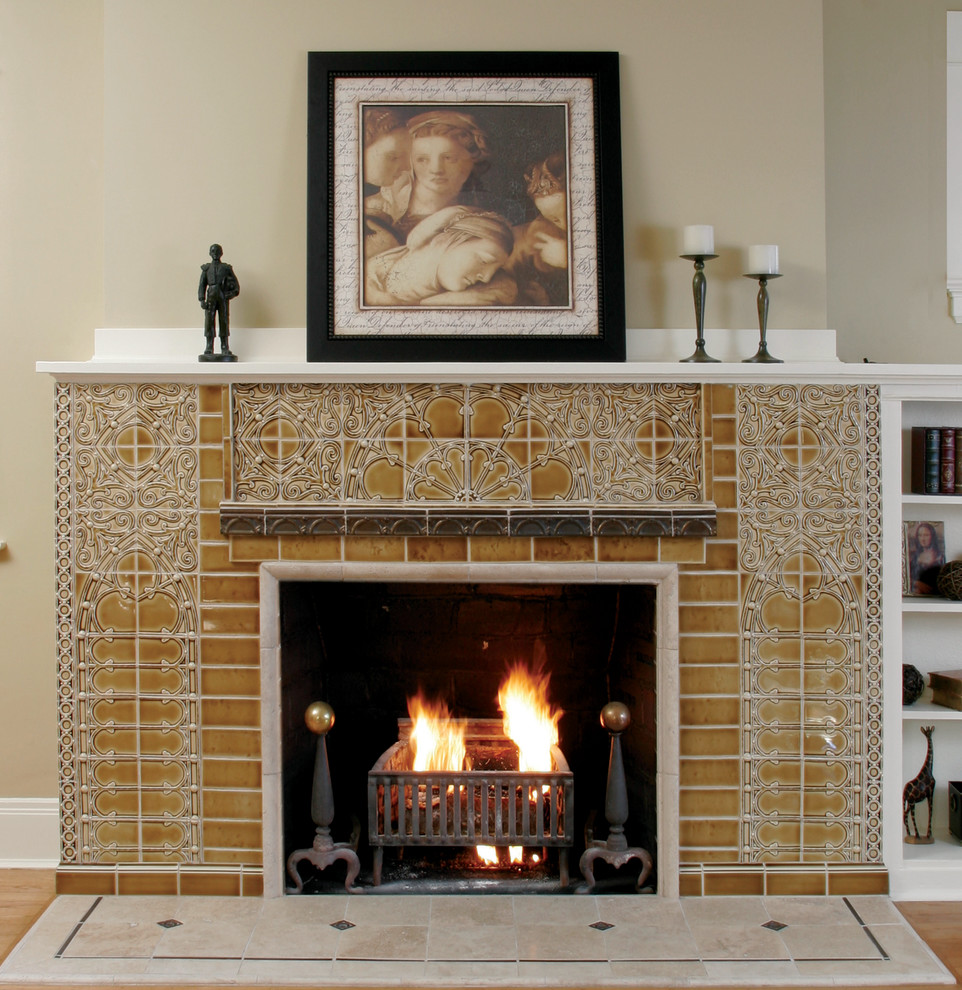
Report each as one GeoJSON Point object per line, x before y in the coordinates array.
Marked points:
{"type": "Point", "coordinates": [76, 928]}
{"type": "Point", "coordinates": [867, 930]}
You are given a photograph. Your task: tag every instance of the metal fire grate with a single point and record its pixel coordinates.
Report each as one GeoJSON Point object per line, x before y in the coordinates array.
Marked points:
{"type": "Point", "coordinates": [490, 804]}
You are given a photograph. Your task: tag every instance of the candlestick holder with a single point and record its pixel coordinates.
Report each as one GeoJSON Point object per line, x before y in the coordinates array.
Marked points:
{"type": "Point", "coordinates": [699, 287]}
{"type": "Point", "coordinates": [761, 355]}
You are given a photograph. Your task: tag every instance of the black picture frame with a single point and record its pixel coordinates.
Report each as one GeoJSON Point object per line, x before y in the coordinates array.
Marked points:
{"type": "Point", "coordinates": [524, 104]}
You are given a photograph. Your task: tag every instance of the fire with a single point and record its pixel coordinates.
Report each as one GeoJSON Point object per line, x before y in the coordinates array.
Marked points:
{"type": "Point", "coordinates": [529, 720]}
{"type": "Point", "coordinates": [488, 855]}
{"type": "Point", "coordinates": [516, 854]}
{"type": "Point", "coordinates": [437, 740]}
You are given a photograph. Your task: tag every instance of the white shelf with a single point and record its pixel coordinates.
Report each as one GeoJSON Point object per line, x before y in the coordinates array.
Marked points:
{"type": "Point", "coordinates": [924, 711]}
{"type": "Point", "coordinates": [946, 849]}
{"type": "Point", "coordinates": [917, 498]}
{"type": "Point", "coordinates": [930, 605]}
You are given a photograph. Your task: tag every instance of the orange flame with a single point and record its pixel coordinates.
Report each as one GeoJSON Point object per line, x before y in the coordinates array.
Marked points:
{"type": "Point", "coordinates": [437, 740]}
{"type": "Point", "coordinates": [516, 854]}
{"type": "Point", "coordinates": [488, 855]}
{"type": "Point", "coordinates": [529, 720]}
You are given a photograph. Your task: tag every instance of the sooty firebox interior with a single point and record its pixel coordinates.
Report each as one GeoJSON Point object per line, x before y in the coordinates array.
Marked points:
{"type": "Point", "coordinates": [366, 647]}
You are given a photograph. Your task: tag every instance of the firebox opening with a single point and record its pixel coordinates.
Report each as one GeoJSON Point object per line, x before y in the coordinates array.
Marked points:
{"type": "Point", "coordinates": [365, 647]}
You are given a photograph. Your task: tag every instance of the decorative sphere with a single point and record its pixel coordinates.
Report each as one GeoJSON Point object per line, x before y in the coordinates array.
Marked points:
{"type": "Point", "coordinates": [319, 718]}
{"type": "Point", "coordinates": [949, 580]}
{"type": "Point", "coordinates": [913, 684]}
{"type": "Point", "coordinates": [615, 716]}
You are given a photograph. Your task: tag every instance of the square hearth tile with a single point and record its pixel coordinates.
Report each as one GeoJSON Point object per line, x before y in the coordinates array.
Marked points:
{"type": "Point", "coordinates": [724, 910]}
{"type": "Point", "coordinates": [728, 941]}
{"type": "Point", "coordinates": [383, 942]}
{"type": "Point", "coordinates": [821, 942]}
{"type": "Point", "coordinates": [493, 943]}
{"type": "Point", "coordinates": [471, 911]}
{"type": "Point", "coordinates": [559, 910]}
{"type": "Point", "coordinates": [96, 939]}
{"type": "Point", "coordinates": [278, 938]}
{"type": "Point", "coordinates": [809, 910]}
{"type": "Point", "coordinates": [398, 909]}
{"type": "Point", "coordinates": [470, 974]}
{"type": "Point", "coordinates": [204, 940]}
{"type": "Point", "coordinates": [372, 971]}
{"type": "Point", "coordinates": [561, 943]}
{"type": "Point", "coordinates": [745, 973]}
{"type": "Point", "coordinates": [626, 942]}
{"type": "Point", "coordinates": [642, 913]}
{"type": "Point", "coordinates": [564, 974]}
{"type": "Point", "coordinates": [876, 909]}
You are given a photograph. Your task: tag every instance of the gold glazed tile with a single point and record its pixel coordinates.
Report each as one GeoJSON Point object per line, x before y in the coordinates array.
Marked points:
{"type": "Point", "coordinates": [499, 445]}
{"type": "Point", "coordinates": [231, 773]}
{"type": "Point", "coordinates": [472, 443]}
{"type": "Point", "coordinates": [805, 497]}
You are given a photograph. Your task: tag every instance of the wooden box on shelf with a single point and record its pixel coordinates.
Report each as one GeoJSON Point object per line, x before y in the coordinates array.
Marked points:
{"type": "Point", "coordinates": [947, 688]}
{"type": "Point", "coordinates": [955, 808]}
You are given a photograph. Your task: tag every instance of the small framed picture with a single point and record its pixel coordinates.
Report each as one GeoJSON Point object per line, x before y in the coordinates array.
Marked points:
{"type": "Point", "coordinates": [923, 554]}
{"type": "Point", "coordinates": [464, 206]}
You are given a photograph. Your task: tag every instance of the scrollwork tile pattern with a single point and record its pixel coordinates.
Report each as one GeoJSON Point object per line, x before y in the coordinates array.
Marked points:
{"type": "Point", "coordinates": [157, 605]}
{"type": "Point", "coordinates": [808, 511]}
{"type": "Point", "coordinates": [467, 444]}
{"type": "Point", "coordinates": [129, 739]}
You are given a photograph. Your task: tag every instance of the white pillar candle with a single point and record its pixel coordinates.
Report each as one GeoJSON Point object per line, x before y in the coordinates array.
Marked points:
{"type": "Point", "coordinates": [699, 239]}
{"type": "Point", "coordinates": [763, 259]}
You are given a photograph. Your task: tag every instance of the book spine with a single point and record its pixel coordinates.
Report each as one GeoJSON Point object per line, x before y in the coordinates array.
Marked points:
{"type": "Point", "coordinates": [958, 461]}
{"type": "Point", "coordinates": [918, 460]}
{"type": "Point", "coordinates": [947, 460]}
{"type": "Point", "coordinates": [931, 455]}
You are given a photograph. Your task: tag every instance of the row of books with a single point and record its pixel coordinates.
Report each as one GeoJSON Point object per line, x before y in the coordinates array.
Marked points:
{"type": "Point", "coordinates": [936, 460]}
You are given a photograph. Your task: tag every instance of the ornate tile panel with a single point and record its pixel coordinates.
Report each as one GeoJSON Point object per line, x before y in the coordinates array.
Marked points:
{"type": "Point", "coordinates": [128, 484]}
{"type": "Point", "coordinates": [808, 509]}
{"type": "Point", "coordinates": [465, 445]}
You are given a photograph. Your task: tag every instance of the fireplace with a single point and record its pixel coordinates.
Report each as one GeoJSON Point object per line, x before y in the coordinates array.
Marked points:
{"type": "Point", "coordinates": [366, 638]}
{"type": "Point", "coordinates": [750, 511]}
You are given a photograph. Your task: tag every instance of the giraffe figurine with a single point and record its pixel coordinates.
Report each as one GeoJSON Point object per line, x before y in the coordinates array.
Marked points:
{"type": "Point", "coordinates": [920, 788]}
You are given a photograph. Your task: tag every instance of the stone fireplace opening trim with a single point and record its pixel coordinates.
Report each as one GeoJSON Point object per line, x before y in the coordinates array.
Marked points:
{"type": "Point", "coordinates": [664, 578]}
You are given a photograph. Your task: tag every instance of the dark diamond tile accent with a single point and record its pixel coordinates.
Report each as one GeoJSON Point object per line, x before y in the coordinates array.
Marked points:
{"type": "Point", "coordinates": [601, 926]}
{"type": "Point", "coordinates": [774, 926]}
{"type": "Point", "coordinates": [341, 926]}
{"type": "Point", "coordinates": [170, 923]}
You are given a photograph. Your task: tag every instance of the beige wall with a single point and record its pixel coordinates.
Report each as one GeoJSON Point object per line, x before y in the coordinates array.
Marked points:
{"type": "Point", "coordinates": [885, 180]}
{"type": "Point", "coordinates": [134, 133]}
{"type": "Point", "coordinates": [205, 140]}
{"type": "Point", "coordinates": [51, 296]}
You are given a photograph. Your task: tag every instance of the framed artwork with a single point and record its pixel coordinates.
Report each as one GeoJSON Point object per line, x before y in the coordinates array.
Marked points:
{"type": "Point", "coordinates": [923, 554]}
{"type": "Point", "coordinates": [464, 206]}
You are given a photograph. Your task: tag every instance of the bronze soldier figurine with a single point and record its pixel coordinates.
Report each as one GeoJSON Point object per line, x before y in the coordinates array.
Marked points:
{"type": "Point", "coordinates": [218, 285]}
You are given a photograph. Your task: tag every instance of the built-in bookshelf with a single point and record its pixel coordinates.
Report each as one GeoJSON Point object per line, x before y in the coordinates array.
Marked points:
{"type": "Point", "coordinates": [922, 629]}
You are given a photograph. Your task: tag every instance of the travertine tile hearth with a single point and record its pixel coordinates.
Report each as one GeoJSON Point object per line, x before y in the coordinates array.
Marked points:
{"type": "Point", "coordinates": [475, 940]}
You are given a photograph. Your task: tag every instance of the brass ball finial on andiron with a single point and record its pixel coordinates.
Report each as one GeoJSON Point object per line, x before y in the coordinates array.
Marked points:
{"type": "Point", "coordinates": [615, 717]}
{"type": "Point", "coordinates": [319, 718]}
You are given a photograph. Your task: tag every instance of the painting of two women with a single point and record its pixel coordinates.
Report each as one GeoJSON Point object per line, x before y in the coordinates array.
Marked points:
{"type": "Point", "coordinates": [465, 206]}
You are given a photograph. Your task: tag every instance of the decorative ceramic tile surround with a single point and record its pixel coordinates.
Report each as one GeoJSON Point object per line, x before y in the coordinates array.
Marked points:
{"type": "Point", "coordinates": [766, 498]}
{"type": "Point", "coordinates": [459, 460]}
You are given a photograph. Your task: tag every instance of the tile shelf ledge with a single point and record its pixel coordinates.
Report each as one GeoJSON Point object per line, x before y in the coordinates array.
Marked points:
{"type": "Point", "coordinates": [391, 519]}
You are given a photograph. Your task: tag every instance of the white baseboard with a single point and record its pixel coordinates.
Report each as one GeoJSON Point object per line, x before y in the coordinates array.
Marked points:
{"type": "Point", "coordinates": [29, 833]}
